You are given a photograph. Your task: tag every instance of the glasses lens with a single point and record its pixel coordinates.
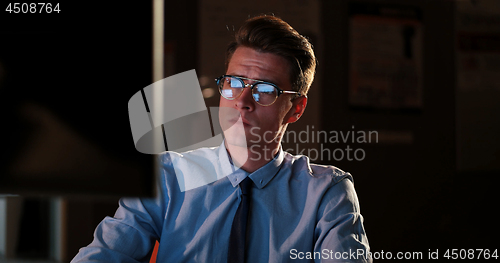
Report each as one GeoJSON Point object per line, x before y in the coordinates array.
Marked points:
{"type": "Point", "coordinates": [230, 88]}
{"type": "Point", "coordinates": [264, 94]}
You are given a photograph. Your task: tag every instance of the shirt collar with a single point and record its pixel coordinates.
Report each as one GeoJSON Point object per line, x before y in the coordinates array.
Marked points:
{"type": "Point", "coordinates": [261, 177]}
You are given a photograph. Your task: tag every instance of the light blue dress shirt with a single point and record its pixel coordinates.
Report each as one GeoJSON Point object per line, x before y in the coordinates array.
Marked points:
{"type": "Point", "coordinates": [299, 212]}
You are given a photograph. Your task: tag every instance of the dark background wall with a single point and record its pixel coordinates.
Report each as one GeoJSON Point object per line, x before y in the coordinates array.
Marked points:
{"type": "Point", "coordinates": [417, 194]}
{"type": "Point", "coordinates": [413, 195]}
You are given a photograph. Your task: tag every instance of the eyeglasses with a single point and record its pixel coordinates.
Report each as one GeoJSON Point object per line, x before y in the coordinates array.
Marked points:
{"type": "Point", "coordinates": [264, 93]}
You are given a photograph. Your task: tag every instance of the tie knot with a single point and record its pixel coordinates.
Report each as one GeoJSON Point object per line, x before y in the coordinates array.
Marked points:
{"type": "Point", "coordinates": [246, 185]}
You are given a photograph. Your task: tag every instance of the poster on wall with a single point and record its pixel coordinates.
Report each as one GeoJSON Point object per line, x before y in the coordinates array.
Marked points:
{"type": "Point", "coordinates": [385, 57]}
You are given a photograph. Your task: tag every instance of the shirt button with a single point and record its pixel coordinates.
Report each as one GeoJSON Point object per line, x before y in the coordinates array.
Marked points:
{"type": "Point", "coordinates": [261, 181]}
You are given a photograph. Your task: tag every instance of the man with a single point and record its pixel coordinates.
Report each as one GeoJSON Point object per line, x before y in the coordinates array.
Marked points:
{"type": "Point", "coordinates": [267, 205]}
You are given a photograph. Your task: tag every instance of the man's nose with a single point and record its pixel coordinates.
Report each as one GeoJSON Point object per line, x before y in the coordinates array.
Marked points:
{"type": "Point", "coordinates": [245, 100]}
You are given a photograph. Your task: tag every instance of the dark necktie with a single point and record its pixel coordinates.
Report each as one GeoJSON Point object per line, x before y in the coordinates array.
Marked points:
{"type": "Point", "coordinates": [237, 238]}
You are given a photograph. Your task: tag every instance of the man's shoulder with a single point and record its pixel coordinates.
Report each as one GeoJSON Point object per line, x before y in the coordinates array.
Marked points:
{"type": "Point", "coordinates": [302, 165]}
{"type": "Point", "coordinates": [191, 169]}
{"type": "Point", "coordinates": [204, 152]}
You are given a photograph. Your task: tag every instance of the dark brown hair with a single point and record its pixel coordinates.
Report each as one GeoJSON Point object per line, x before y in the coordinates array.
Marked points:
{"type": "Point", "coordinates": [272, 34]}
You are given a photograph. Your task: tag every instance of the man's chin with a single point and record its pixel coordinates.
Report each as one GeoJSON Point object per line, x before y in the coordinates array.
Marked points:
{"type": "Point", "coordinates": [238, 140]}
{"type": "Point", "coordinates": [236, 134]}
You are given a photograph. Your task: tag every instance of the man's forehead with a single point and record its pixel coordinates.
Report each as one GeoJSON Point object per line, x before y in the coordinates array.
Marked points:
{"type": "Point", "coordinates": [251, 63]}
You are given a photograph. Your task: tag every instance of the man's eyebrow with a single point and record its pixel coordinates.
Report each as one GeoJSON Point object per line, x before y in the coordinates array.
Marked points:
{"type": "Point", "coordinates": [264, 80]}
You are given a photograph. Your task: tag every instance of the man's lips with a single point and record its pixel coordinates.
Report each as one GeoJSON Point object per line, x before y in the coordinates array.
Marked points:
{"type": "Point", "coordinates": [243, 120]}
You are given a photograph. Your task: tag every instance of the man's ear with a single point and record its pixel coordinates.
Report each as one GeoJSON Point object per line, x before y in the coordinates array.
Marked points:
{"type": "Point", "coordinates": [298, 108]}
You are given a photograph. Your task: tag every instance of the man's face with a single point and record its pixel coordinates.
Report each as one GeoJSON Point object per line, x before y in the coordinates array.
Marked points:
{"type": "Point", "coordinates": [263, 125]}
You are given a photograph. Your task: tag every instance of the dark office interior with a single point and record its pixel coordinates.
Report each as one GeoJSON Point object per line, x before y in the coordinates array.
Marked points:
{"type": "Point", "coordinates": [420, 74]}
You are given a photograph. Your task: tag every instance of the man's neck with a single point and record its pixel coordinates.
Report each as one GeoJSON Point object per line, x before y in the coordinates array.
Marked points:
{"type": "Point", "coordinates": [252, 158]}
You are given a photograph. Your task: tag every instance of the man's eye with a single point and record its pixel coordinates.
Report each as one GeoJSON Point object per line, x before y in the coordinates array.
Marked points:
{"type": "Point", "coordinates": [266, 89]}
{"type": "Point", "coordinates": [235, 83]}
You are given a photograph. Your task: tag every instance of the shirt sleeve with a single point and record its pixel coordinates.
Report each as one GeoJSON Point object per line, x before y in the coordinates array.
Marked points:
{"type": "Point", "coordinates": [340, 233]}
{"type": "Point", "coordinates": [129, 236]}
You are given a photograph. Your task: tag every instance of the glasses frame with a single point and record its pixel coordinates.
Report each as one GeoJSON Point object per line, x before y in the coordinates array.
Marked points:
{"type": "Point", "coordinates": [256, 82]}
